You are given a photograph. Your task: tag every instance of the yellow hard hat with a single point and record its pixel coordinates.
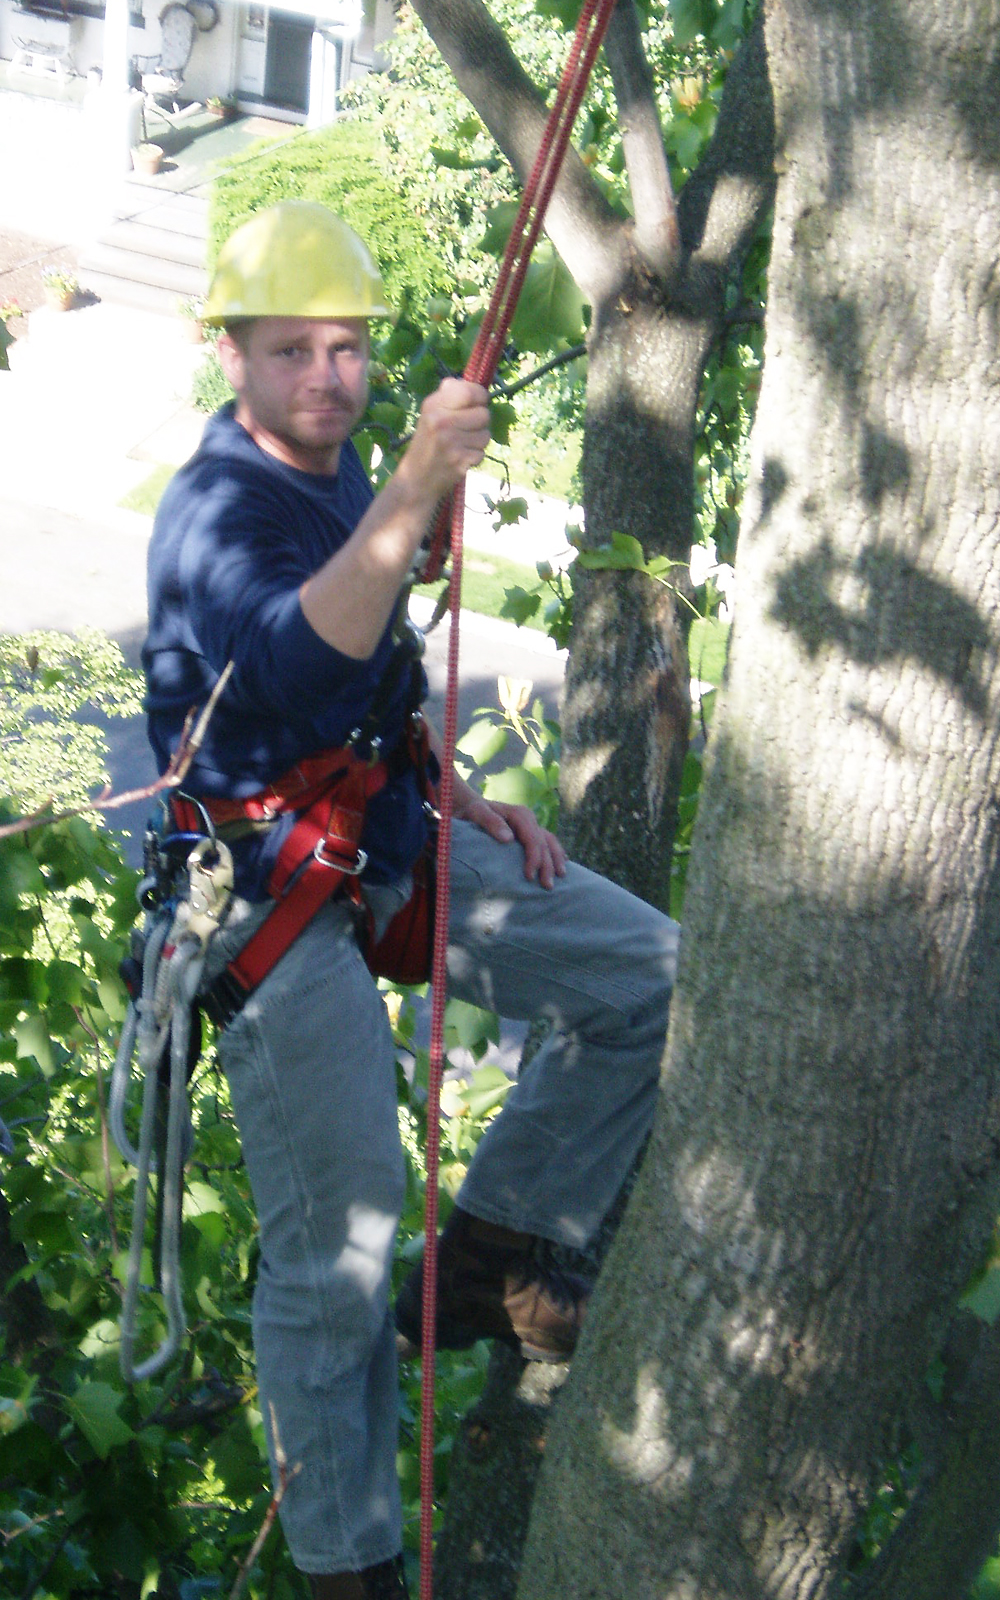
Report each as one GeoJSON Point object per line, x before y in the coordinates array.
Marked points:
{"type": "Point", "coordinates": [294, 259]}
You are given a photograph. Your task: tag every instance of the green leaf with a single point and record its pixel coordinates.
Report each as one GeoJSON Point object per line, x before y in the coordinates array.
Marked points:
{"type": "Point", "coordinates": [984, 1299]}
{"type": "Point", "coordinates": [519, 604]}
{"type": "Point", "coordinates": [684, 141]}
{"type": "Point", "coordinates": [502, 418]}
{"type": "Point", "coordinates": [399, 345]}
{"type": "Point", "coordinates": [483, 742]}
{"type": "Point", "coordinates": [509, 511]}
{"type": "Point", "coordinates": [101, 1339]}
{"type": "Point", "coordinates": [550, 307]}
{"type": "Point", "coordinates": [385, 414]}
{"type": "Point", "coordinates": [237, 1459]}
{"type": "Point", "coordinates": [727, 30]}
{"type": "Point", "coordinates": [449, 158]}
{"type": "Point", "coordinates": [691, 18]}
{"type": "Point", "coordinates": [987, 1584]}
{"type": "Point", "coordinates": [623, 554]}
{"type": "Point", "coordinates": [498, 225]}
{"type": "Point", "coordinates": [708, 646]}
{"type": "Point", "coordinates": [562, 11]}
{"type": "Point", "coordinates": [32, 1037]}
{"type": "Point", "coordinates": [489, 1087]}
{"type": "Point", "coordinates": [199, 1197]}
{"type": "Point", "coordinates": [470, 1025]}
{"type": "Point", "coordinates": [516, 787]}
{"type": "Point", "coordinates": [468, 128]}
{"type": "Point", "coordinates": [94, 1409]}
{"type": "Point", "coordinates": [22, 872]}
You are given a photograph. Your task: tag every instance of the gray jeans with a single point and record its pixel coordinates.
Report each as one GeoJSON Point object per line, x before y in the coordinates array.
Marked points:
{"type": "Point", "coordinates": [311, 1067]}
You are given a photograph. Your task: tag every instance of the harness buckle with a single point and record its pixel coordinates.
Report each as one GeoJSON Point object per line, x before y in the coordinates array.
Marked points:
{"type": "Point", "coordinates": [325, 860]}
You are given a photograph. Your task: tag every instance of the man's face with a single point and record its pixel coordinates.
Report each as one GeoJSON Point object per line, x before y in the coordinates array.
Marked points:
{"type": "Point", "coordinates": [301, 385]}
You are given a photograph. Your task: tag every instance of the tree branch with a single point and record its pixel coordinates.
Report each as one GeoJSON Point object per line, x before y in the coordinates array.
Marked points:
{"type": "Point", "coordinates": [724, 200]}
{"type": "Point", "coordinates": [656, 230]}
{"type": "Point", "coordinates": [582, 226]}
{"type": "Point", "coordinates": [561, 360]}
{"type": "Point", "coordinates": [923, 1560]}
{"type": "Point", "coordinates": [285, 1476]}
{"type": "Point", "coordinates": [190, 743]}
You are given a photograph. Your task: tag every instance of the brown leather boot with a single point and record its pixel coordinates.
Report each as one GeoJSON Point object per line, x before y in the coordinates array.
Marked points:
{"type": "Point", "coordinates": [492, 1284]}
{"type": "Point", "coordinates": [383, 1582]}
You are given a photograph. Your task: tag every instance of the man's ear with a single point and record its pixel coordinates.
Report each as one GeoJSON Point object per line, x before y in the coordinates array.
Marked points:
{"type": "Point", "coordinates": [231, 359]}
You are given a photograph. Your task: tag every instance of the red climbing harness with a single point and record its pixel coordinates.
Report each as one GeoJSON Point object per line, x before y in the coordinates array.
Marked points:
{"type": "Point", "coordinates": [321, 857]}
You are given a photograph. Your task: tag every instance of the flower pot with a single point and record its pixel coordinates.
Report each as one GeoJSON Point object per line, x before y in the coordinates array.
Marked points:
{"type": "Point", "coordinates": [146, 158]}
{"type": "Point", "coordinates": [60, 299]}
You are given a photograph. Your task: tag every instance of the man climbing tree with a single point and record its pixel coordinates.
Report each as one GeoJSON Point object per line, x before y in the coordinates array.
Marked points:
{"type": "Point", "coordinates": [271, 553]}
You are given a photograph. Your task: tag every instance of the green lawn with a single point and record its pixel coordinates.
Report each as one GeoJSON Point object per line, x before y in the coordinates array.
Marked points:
{"type": "Point", "coordinates": [484, 580]}
{"type": "Point", "coordinates": [146, 496]}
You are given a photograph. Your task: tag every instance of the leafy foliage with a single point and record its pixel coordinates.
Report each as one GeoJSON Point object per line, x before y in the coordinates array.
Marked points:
{"type": "Point", "coordinates": [46, 681]}
{"type": "Point", "coordinates": [106, 1489]}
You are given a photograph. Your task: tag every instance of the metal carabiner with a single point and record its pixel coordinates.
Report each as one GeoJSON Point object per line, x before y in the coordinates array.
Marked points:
{"type": "Point", "coordinates": [210, 884]}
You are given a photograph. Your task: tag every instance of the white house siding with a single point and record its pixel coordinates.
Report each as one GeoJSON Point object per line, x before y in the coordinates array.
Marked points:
{"type": "Point", "coordinates": [346, 44]}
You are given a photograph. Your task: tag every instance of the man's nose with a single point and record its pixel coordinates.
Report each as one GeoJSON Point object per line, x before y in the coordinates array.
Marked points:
{"type": "Point", "coordinates": [325, 369]}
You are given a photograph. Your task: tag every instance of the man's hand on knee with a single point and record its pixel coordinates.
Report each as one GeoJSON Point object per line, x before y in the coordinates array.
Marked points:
{"type": "Point", "coordinates": [544, 856]}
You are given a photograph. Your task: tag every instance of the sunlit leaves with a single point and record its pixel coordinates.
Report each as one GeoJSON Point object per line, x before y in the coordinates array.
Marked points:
{"type": "Point", "coordinates": [550, 307]}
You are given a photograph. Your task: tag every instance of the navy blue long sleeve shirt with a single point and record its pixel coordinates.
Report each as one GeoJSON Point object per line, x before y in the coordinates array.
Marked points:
{"type": "Point", "coordinates": [236, 535]}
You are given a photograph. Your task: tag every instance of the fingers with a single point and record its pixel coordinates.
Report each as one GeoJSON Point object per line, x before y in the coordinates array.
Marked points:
{"type": "Point", "coordinates": [544, 856]}
{"type": "Point", "coordinates": [453, 432]}
{"type": "Point", "coordinates": [544, 859]}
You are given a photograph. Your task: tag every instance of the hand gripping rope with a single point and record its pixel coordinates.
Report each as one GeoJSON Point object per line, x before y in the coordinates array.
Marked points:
{"type": "Point", "coordinates": [481, 368]}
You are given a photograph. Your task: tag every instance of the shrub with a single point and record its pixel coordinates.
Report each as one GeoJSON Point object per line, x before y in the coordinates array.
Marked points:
{"type": "Point", "coordinates": [342, 166]}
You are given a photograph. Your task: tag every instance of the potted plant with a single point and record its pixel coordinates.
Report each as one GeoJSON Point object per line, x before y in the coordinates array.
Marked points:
{"type": "Point", "coordinates": [60, 288]}
{"type": "Point", "coordinates": [146, 158]}
{"type": "Point", "coordinates": [221, 106]}
{"type": "Point", "coordinates": [192, 311]}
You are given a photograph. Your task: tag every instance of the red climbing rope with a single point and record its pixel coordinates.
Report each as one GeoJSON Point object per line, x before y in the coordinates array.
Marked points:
{"type": "Point", "coordinates": [480, 368]}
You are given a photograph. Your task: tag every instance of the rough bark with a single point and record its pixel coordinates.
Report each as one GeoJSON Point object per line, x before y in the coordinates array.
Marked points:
{"type": "Point", "coordinates": [657, 303]}
{"type": "Point", "coordinates": [657, 299]}
{"type": "Point", "coordinates": [825, 1168]}
{"type": "Point", "coordinates": [961, 1488]}
{"type": "Point", "coordinates": [494, 1468]}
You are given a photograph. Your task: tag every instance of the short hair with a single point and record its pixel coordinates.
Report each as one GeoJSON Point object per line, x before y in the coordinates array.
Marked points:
{"type": "Point", "coordinates": [239, 330]}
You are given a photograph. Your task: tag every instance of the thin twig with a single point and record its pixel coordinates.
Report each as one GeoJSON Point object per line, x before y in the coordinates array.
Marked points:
{"type": "Point", "coordinates": [560, 360]}
{"type": "Point", "coordinates": [284, 1479]}
{"type": "Point", "coordinates": [177, 771]}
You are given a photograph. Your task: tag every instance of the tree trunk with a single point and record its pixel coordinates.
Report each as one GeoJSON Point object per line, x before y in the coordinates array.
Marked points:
{"type": "Point", "coordinates": [824, 1176]}
{"type": "Point", "coordinates": [626, 702]}
{"type": "Point", "coordinates": [626, 705]}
